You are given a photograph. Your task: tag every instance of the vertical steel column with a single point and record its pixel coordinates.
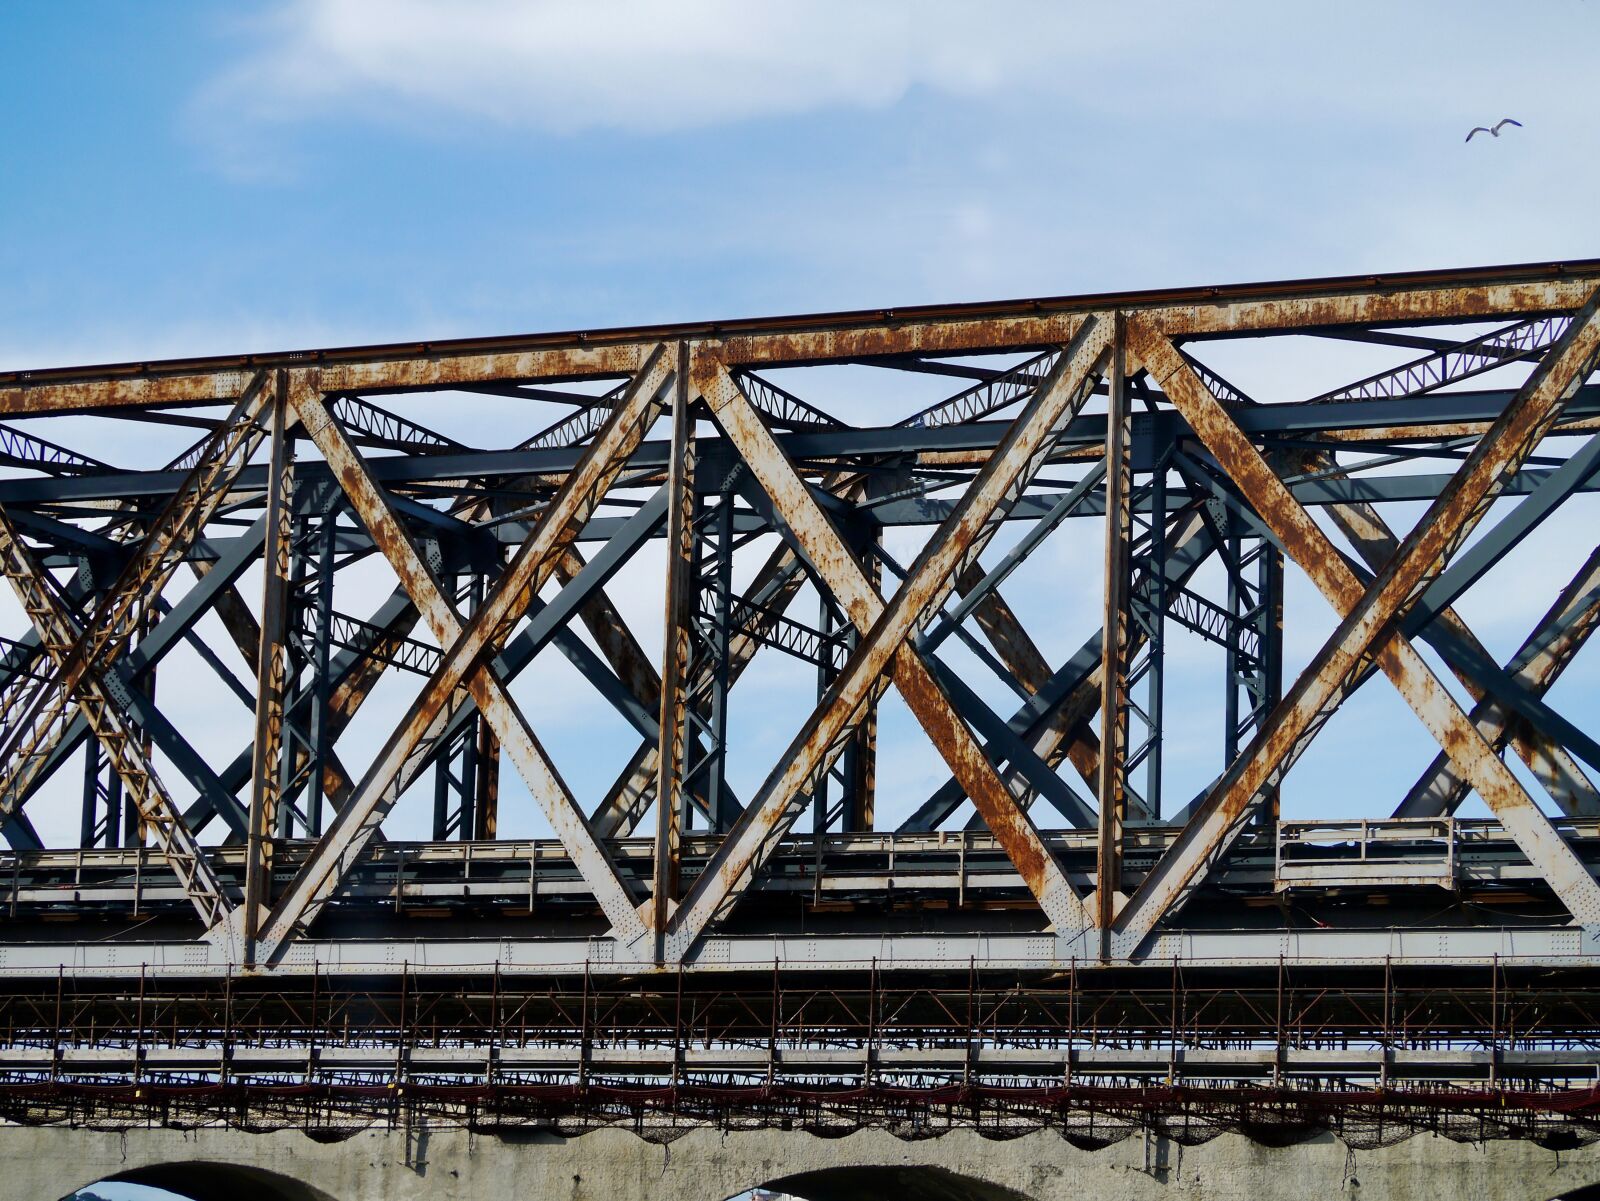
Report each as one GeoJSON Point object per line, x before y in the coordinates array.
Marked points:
{"type": "Point", "coordinates": [134, 830]}
{"type": "Point", "coordinates": [486, 784]}
{"type": "Point", "coordinates": [455, 788]}
{"type": "Point", "coordinates": [1269, 630]}
{"type": "Point", "coordinates": [271, 668]}
{"type": "Point", "coordinates": [441, 790]}
{"type": "Point", "coordinates": [675, 655]}
{"type": "Point", "coordinates": [102, 799]}
{"type": "Point", "coordinates": [322, 636]}
{"type": "Point", "coordinates": [97, 792]}
{"type": "Point", "coordinates": [101, 822]}
{"type": "Point", "coordinates": [472, 738]}
{"type": "Point", "coordinates": [293, 731]}
{"type": "Point", "coordinates": [718, 801]}
{"type": "Point", "coordinates": [859, 766]}
{"type": "Point", "coordinates": [89, 820]}
{"type": "Point", "coordinates": [455, 774]}
{"type": "Point", "coordinates": [1114, 643]}
{"type": "Point", "coordinates": [1254, 655]}
{"type": "Point", "coordinates": [112, 790]}
{"type": "Point", "coordinates": [1148, 607]}
{"type": "Point", "coordinates": [1233, 656]}
{"type": "Point", "coordinates": [827, 627]}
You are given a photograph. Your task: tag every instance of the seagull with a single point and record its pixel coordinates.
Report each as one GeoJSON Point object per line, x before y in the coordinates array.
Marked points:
{"type": "Point", "coordinates": [1495, 132]}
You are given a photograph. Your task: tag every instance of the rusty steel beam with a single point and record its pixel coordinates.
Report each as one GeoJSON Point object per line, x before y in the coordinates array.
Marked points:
{"type": "Point", "coordinates": [1020, 656]}
{"type": "Point", "coordinates": [1373, 306]}
{"type": "Point", "coordinates": [272, 669]}
{"type": "Point", "coordinates": [36, 729]}
{"type": "Point", "coordinates": [177, 624]}
{"type": "Point", "coordinates": [1529, 290]}
{"type": "Point", "coordinates": [634, 791]}
{"type": "Point", "coordinates": [236, 618]}
{"type": "Point", "coordinates": [122, 744]}
{"type": "Point", "coordinates": [1065, 732]}
{"type": "Point", "coordinates": [677, 641]}
{"type": "Point", "coordinates": [611, 634]}
{"type": "Point", "coordinates": [884, 634]}
{"type": "Point", "coordinates": [1550, 763]}
{"type": "Point", "coordinates": [1062, 730]}
{"type": "Point", "coordinates": [462, 661]}
{"type": "Point", "coordinates": [229, 606]}
{"type": "Point", "coordinates": [1366, 625]}
{"type": "Point", "coordinates": [1116, 619]}
{"type": "Point", "coordinates": [1003, 631]}
{"type": "Point", "coordinates": [355, 677]}
{"type": "Point", "coordinates": [234, 614]}
{"type": "Point", "coordinates": [861, 752]}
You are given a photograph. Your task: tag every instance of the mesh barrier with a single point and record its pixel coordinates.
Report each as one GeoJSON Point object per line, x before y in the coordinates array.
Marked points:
{"type": "Point", "coordinates": [1086, 1117]}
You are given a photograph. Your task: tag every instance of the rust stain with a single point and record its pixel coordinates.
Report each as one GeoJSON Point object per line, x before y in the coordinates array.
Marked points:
{"type": "Point", "coordinates": [931, 579]}
{"type": "Point", "coordinates": [912, 338]}
{"type": "Point", "coordinates": [541, 365]}
{"type": "Point", "coordinates": [39, 399]}
{"type": "Point", "coordinates": [1379, 305]}
{"type": "Point", "coordinates": [1363, 634]}
{"type": "Point", "coordinates": [1286, 305]}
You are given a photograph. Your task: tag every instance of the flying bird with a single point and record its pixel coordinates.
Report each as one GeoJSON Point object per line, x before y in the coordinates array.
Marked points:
{"type": "Point", "coordinates": [1495, 132]}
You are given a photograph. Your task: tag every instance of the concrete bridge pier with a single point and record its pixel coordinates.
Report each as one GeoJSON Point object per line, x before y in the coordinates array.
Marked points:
{"type": "Point", "coordinates": [450, 1164]}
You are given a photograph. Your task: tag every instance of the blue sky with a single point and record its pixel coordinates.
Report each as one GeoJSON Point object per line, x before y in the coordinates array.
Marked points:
{"type": "Point", "coordinates": [186, 178]}
{"type": "Point", "coordinates": [189, 178]}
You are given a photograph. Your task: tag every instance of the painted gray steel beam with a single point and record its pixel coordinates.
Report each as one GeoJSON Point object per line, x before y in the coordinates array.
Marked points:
{"type": "Point", "coordinates": [1030, 718]}
{"type": "Point", "coordinates": [1275, 420]}
{"type": "Point", "coordinates": [1544, 654]}
{"type": "Point", "coordinates": [1004, 745]}
{"type": "Point", "coordinates": [1470, 565]}
{"type": "Point", "coordinates": [167, 633]}
{"type": "Point", "coordinates": [348, 661]}
{"type": "Point", "coordinates": [546, 625]}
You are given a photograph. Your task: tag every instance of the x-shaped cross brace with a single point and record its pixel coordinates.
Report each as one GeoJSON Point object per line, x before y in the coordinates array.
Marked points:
{"type": "Point", "coordinates": [1367, 629]}
{"type": "Point", "coordinates": [885, 631]}
{"type": "Point", "coordinates": [1536, 666]}
{"type": "Point", "coordinates": [464, 663]}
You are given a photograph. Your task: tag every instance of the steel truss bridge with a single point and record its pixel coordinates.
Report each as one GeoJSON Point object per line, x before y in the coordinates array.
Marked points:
{"type": "Point", "coordinates": [363, 552]}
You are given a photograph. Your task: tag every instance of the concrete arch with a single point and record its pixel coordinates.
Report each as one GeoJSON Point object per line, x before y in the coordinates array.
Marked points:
{"type": "Point", "coordinates": [207, 1180]}
{"type": "Point", "coordinates": [872, 1183]}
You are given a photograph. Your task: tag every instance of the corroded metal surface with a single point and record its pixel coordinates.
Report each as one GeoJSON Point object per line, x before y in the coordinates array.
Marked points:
{"type": "Point", "coordinates": [1190, 485]}
{"type": "Point", "coordinates": [1367, 615]}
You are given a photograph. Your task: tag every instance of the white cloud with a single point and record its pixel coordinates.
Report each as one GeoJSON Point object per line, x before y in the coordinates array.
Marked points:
{"type": "Point", "coordinates": [645, 65]}
{"type": "Point", "coordinates": [567, 65]}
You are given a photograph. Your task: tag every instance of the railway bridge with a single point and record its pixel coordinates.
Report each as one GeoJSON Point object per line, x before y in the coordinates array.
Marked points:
{"type": "Point", "coordinates": [851, 753]}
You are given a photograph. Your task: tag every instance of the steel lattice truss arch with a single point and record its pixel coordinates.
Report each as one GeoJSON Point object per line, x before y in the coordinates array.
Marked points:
{"type": "Point", "coordinates": [1392, 493]}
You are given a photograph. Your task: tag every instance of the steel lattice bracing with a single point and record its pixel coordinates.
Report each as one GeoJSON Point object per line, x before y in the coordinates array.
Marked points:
{"type": "Point", "coordinates": [894, 630]}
